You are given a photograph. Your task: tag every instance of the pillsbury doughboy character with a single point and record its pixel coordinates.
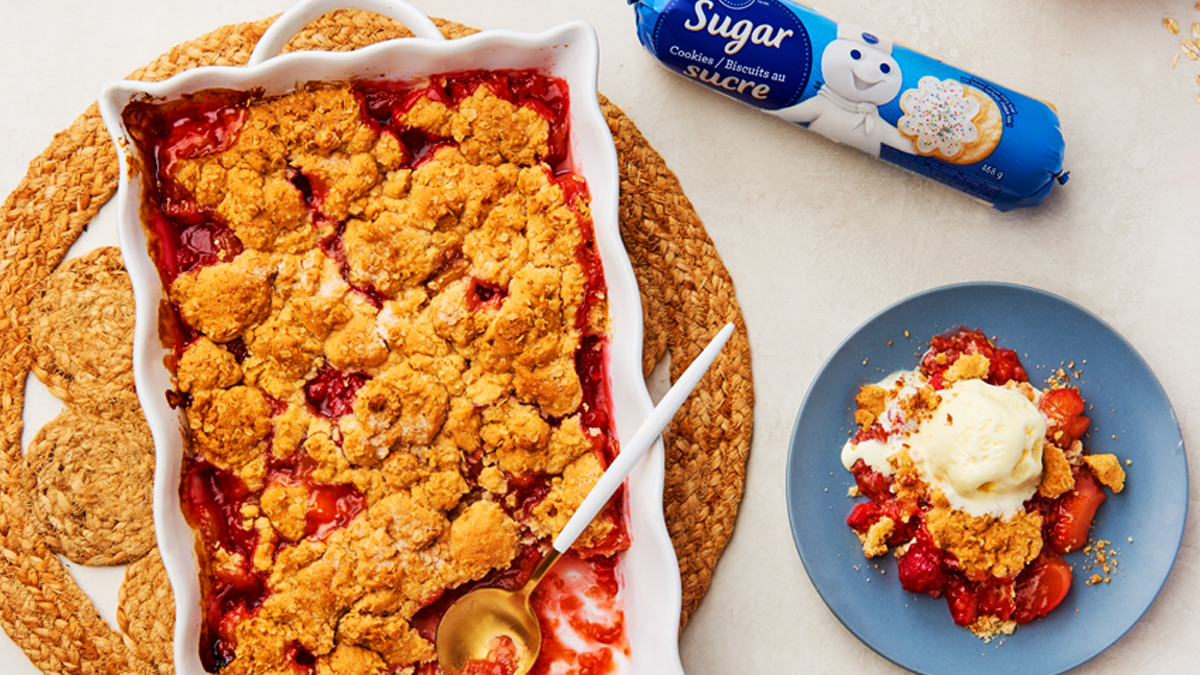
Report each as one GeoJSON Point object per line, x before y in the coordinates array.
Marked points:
{"type": "Point", "coordinates": [860, 75]}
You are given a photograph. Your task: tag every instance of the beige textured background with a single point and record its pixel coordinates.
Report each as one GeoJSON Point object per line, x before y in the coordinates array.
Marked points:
{"type": "Point", "coordinates": [817, 237]}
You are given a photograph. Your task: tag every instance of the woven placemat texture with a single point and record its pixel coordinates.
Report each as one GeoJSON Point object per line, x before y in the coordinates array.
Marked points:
{"type": "Point", "coordinates": [89, 482]}
{"type": "Point", "coordinates": [81, 335]}
{"type": "Point", "coordinates": [146, 612]}
{"type": "Point", "coordinates": [687, 296]}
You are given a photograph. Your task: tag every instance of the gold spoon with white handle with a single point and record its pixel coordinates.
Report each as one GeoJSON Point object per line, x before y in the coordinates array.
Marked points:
{"type": "Point", "coordinates": [472, 625]}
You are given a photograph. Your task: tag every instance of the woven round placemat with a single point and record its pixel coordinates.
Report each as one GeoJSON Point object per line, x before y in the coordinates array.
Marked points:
{"type": "Point", "coordinates": [687, 296]}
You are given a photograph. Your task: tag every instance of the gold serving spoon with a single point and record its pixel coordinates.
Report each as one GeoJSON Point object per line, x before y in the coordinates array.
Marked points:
{"type": "Point", "coordinates": [473, 625]}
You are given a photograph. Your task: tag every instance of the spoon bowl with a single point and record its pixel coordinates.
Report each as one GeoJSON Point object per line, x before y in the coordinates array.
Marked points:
{"type": "Point", "coordinates": [485, 617]}
{"type": "Point", "coordinates": [475, 625]}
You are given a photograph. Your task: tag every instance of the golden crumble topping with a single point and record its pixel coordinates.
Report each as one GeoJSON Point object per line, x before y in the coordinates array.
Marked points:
{"type": "Point", "coordinates": [967, 367]}
{"type": "Point", "coordinates": [985, 545]}
{"type": "Point", "coordinates": [224, 299]}
{"type": "Point", "coordinates": [920, 405]}
{"type": "Point", "coordinates": [283, 354]}
{"type": "Point", "coordinates": [1107, 469]}
{"type": "Point", "coordinates": [489, 130]}
{"type": "Point", "coordinates": [399, 407]}
{"type": "Point", "coordinates": [989, 627]}
{"type": "Point", "coordinates": [286, 509]}
{"type": "Point", "coordinates": [872, 401]}
{"type": "Point", "coordinates": [389, 348]}
{"type": "Point", "coordinates": [874, 541]}
{"type": "Point", "coordinates": [204, 365]}
{"type": "Point", "coordinates": [566, 494]}
{"type": "Point", "coordinates": [1057, 478]}
{"type": "Point", "coordinates": [907, 484]}
{"type": "Point", "coordinates": [230, 427]}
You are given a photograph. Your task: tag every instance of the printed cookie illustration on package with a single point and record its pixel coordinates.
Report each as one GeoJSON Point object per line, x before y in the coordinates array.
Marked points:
{"type": "Point", "coordinates": [950, 121]}
{"type": "Point", "coordinates": [861, 89]}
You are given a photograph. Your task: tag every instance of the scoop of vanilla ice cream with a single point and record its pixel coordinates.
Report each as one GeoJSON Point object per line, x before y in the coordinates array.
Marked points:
{"type": "Point", "coordinates": [982, 447]}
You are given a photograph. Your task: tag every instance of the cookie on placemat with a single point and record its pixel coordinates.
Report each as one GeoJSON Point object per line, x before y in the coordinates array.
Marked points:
{"type": "Point", "coordinates": [89, 482]}
{"type": "Point", "coordinates": [950, 121]}
{"type": "Point", "coordinates": [146, 612]}
{"type": "Point", "coordinates": [81, 327]}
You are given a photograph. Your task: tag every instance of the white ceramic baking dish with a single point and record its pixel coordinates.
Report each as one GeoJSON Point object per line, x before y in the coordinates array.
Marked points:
{"type": "Point", "coordinates": [649, 572]}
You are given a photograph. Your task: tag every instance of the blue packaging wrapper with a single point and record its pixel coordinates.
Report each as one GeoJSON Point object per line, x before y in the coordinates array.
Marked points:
{"type": "Point", "coordinates": [859, 88]}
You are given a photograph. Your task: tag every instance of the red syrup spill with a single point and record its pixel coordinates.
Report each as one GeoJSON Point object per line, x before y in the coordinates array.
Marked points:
{"type": "Point", "coordinates": [525, 491]}
{"type": "Point", "coordinates": [502, 659]}
{"type": "Point", "coordinates": [421, 146]}
{"type": "Point", "coordinates": [330, 508]}
{"type": "Point", "coordinates": [331, 392]}
{"type": "Point", "coordinates": [276, 405]}
{"type": "Point", "coordinates": [206, 131]}
{"type": "Point", "coordinates": [312, 189]}
{"type": "Point", "coordinates": [591, 363]}
{"type": "Point", "coordinates": [560, 599]}
{"type": "Point", "coordinates": [575, 195]}
{"type": "Point", "coordinates": [212, 501]}
{"type": "Point", "coordinates": [330, 505]}
{"type": "Point", "coordinates": [183, 235]}
{"type": "Point", "coordinates": [194, 126]}
{"type": "Point", "coordinates": [237, 347]}
{"type": "Point", "coordinates": [482, 294]}
{"type": "Point", "coordinates": [300, 658]}
{"type": "Point", "coordinates": [191, 245]}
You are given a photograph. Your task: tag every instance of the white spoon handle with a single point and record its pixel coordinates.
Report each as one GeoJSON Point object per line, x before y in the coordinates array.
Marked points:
{"type": "Point", "coordinates": [641, 441]}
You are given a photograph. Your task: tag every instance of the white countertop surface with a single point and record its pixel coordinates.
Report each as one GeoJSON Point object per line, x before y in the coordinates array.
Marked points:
{"type": "Point", "coordinates": [817, 237]}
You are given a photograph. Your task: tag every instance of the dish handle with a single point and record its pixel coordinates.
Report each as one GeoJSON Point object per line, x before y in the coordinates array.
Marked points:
{"type": "Point", "coordinates": [306, 11]}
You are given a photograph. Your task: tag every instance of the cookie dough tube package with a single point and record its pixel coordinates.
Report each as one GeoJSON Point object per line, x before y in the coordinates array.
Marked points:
{"type": "Point", "coordinates": [861, 89]}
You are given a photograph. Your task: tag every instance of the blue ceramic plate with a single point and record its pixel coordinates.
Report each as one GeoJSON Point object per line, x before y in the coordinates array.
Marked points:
{"type": "Point", "coordinates": [1131, 417]}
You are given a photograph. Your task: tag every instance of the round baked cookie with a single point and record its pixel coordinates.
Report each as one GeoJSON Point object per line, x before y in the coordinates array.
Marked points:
{"type": "Point", "coordinates": [89, 483]}
{"type": "Point", "coordinates": [146, 612]}
{"type": "Point", "coordinates": [81, 326]}
{"type": "Point", "coordinates": [950, 121]}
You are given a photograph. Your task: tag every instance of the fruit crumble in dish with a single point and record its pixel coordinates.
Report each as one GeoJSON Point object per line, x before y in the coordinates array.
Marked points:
{"type": "Point", "coordinates": [977, 481]}
{"type": "Point", "coordinates": [388, 327]}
